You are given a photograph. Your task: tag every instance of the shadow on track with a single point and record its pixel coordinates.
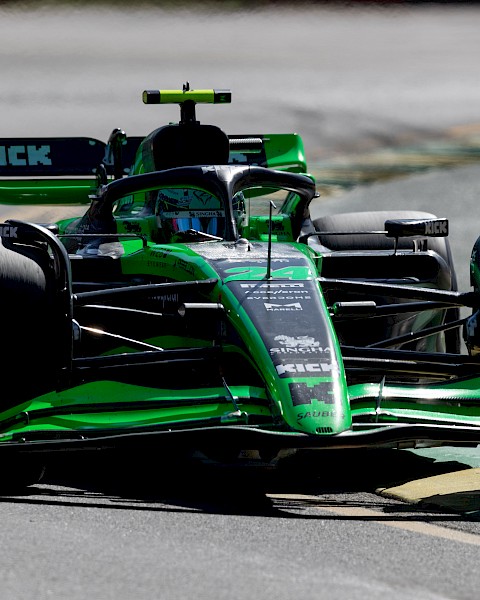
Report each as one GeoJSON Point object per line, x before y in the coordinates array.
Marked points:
{"type": "Point", "coordinates": [128, 482]}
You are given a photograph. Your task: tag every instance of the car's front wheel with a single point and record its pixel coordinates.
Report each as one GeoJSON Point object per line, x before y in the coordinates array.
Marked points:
{"type": "Point", "coordinates": [27, 326]}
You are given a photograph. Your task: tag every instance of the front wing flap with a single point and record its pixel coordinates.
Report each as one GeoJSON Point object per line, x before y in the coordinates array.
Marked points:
{"type": "Point", "coordinates": [248, 437]}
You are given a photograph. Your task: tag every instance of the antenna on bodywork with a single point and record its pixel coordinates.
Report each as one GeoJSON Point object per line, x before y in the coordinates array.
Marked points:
{"type": "Point", "coordinates": [269, 251]}
{"type": "Point", "coordinates": [187, 108]}
{"type": "Point", "coordinates": [113, 152]}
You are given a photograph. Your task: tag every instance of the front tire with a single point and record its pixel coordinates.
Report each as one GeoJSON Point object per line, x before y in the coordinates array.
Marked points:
{"type": "Point", "coordinates": [27, 301]}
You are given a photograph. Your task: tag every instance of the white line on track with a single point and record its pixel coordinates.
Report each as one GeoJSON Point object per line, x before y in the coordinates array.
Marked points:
{"type": "Point", "coordinates": [380, 517]}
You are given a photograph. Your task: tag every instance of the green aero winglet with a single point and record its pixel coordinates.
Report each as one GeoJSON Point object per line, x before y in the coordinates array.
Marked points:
{"type": "Point", "coordinates": [40, 192]}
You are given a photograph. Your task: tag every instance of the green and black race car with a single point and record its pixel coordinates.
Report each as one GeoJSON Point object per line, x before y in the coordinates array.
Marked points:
{"type": "Point", "coordinates": [195, 304]}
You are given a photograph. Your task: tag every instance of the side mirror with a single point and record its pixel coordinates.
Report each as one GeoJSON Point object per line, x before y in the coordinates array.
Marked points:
{"type": "Point", "coordinates": [397, 228]}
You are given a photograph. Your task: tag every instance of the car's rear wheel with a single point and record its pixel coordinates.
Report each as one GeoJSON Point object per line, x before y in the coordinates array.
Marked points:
{"type": "Point", "coordinates": [375, 221]}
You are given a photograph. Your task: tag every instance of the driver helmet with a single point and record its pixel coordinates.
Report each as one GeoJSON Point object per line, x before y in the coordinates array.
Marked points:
{"type": "Point", "coordinates": [181, 209]}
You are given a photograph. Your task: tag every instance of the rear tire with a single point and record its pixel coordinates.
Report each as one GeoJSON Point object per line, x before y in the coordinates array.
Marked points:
{"type": "Point", "coordinates": [375, 221]}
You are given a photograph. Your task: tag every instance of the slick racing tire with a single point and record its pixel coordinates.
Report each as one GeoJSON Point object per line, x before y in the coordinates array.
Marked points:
{"type": "Point", "coordinates": [28, 338]}
{"type": "Point", "coordinates": [375, 221]}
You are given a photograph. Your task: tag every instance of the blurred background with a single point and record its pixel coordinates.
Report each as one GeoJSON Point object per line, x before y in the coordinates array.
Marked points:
{"type": "Point", "coordinates": [386, 95]}
{"type": "Point", "coordinates": [347, 76]}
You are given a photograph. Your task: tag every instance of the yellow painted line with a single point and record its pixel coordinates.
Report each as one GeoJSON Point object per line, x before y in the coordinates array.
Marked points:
{"type": "Point", "coordinates": [383, 518]}
{"type": "Point", "coordinates": [458, 491]}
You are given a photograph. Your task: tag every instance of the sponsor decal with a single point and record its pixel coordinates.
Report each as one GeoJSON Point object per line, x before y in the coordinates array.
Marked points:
{"type": "Point", "coordinates": [302, 344]}
{"type": "Point", "coordinates": [324, 414]}
{"type": "Point", "coordinates": [252, 262]}
{"type": "Point", "coordinates": [286, 291]}
{"type": "Point", "coordinates": [301, 340]}
{"type": "Point", "coordinates": [132, 226]}
{"type": "Point", "coordinates": [165, 299]}
{"type": "Point", "coordinates": [302, 393]}
{"type": "Point", "coordinates": [21, 156]}
{"type": "Point", "coordinates": [437, 227]}
{"type": "Point", "coordinates": [271, 286]}
{"type": "Point", "coordinates": [302, 368]}
{"type": "Point", "coordinates": [160, 264]}
{"type": "Point", "coordinates": [184, 266]}
{"type": "Point", "coordinates": [193, 214]}
{"type": "Point", "coordinates": [8, 231]}
{"type": "Point", "coordinates": [293, 306]}
{"type": "Point", "coordinates": [289, 297]}
{"type": "Point", "coordinates": [277, 226]}
{"type": "Point", "coordinates": [160, 254]}
{"type": "Point", "coordinates": [212, 169]}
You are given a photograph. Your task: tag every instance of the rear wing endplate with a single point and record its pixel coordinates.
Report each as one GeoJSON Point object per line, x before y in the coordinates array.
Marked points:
{"type": "Point", "coordinates": [55, 170]}
{"type": "Point", "coordinates": [59, 156]}
{"type": "Point", "coordinates": [284, 151]}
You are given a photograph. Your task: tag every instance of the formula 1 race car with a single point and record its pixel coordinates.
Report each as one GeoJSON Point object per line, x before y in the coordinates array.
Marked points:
{"type": "Point", "coordinates": [195, 305]}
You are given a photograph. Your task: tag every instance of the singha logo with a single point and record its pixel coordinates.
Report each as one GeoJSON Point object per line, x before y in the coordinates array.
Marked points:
{"type": "Point", "coordinates": [302, 341]}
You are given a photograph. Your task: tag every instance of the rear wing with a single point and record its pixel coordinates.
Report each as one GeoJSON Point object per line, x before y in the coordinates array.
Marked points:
{"type": "Point", "coordinates": [67, 170]}
{"type": "Point", "coordinates": [56, 170]}
{"type": "Point", "coordinates": [50, 157]}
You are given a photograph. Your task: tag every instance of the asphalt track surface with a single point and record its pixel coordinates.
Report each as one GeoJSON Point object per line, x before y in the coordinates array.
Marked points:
{"type": "Point", "coordinates": [402, 525]}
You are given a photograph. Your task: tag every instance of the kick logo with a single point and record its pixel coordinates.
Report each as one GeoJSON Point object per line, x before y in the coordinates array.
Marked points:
{"type": "Point", "coordinates": [21, 156]}
{"type": "Point", "coordinates": [301, 368]}
{"type": "Point", "coordinates": [7, 231]}
{"type": "Point", "coordinates": [439, 227]}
